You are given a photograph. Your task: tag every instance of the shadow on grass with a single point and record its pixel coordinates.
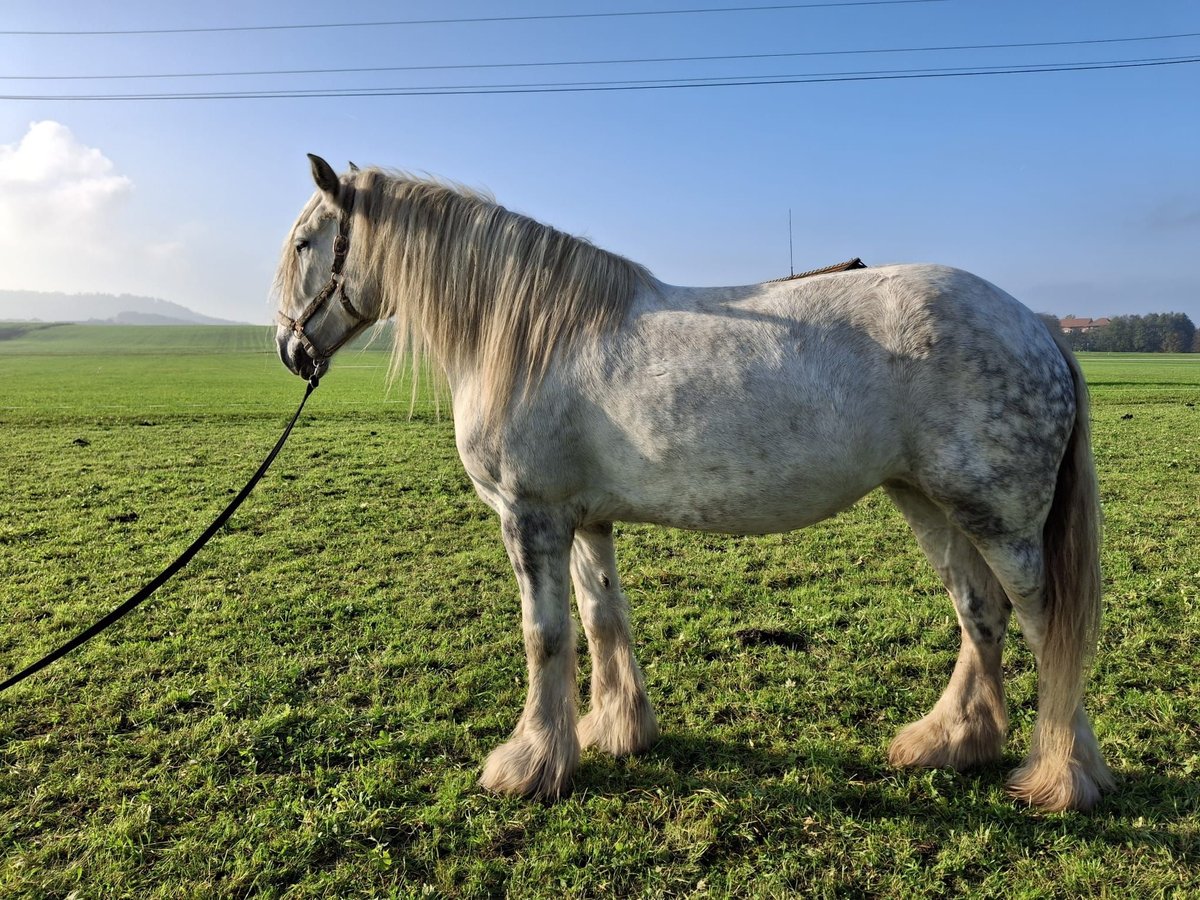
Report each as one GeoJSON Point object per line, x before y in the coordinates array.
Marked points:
{"type": "Point", "coordinates": [1143, 809]}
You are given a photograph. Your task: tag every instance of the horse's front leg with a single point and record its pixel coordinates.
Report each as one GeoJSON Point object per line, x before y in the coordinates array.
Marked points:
{"type": "Point", "coordinates": [543, 752]}
{"type": "Point", "coordinates": [621, 720]}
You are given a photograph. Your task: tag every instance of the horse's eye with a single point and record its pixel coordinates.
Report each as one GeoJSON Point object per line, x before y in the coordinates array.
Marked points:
{"type": "Point", "coordinates": [301, 245]}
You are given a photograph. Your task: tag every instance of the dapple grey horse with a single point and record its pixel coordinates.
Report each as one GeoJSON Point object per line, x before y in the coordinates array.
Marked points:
{"type": "Point", "coordinates": [586, 392]}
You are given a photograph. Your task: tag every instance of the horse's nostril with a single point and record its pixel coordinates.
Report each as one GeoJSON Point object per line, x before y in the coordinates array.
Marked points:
{"type": "Point", "coordinates": [295, 357]}
{"type": "Point", "coordinates": [304, 365]}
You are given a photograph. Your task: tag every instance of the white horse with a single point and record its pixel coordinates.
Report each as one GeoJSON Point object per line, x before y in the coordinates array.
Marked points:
{"type": "Point", "coordinates": [586, 392]}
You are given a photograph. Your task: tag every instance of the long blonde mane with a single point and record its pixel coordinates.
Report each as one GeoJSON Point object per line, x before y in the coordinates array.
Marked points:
{"type": "Point", "coordinates": [477, 286]}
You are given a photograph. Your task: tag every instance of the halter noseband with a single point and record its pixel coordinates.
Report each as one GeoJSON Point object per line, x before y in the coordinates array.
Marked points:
{"type": "Point", "coordinates": [335, 285]}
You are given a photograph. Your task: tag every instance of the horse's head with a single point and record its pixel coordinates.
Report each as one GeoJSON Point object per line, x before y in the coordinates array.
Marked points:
{"type": "Point", "coordinates": [319, 308]}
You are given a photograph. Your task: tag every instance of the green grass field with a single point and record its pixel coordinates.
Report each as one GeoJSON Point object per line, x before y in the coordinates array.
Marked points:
{"type": "Point", "coordinates": [303, 712]}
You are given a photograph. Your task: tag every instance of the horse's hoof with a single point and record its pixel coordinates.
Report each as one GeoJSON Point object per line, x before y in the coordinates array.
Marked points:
{"type": "Point", "coordinates": [1055, 786]}
{"type": "Point", "coordinates": [620, 730]}
{"type": "Point", "coordinates": [929, 744]}
{"type": "Point", "coordinates": [527, 767]}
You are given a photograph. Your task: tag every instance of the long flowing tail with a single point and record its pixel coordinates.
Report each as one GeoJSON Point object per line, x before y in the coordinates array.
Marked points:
{"type": "Point", "coordinates": [1065, 769]}
{"type": "Point", "coordinates": [1072, 546]}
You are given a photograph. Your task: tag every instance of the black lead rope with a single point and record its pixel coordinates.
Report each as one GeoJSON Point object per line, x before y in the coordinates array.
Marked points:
{"type": "Point", "coordinates": [137, 599]}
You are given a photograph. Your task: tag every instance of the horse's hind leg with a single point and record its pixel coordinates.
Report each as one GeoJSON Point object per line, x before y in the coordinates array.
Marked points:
{"type": "Point", "coordinates": [1064, 769]}
{"type": "Point", "coordinates": [967, 726]}
{"type": "Point", "coordinates": [543, 752]}
{"type": "Point", "coordinates": [621, 720]}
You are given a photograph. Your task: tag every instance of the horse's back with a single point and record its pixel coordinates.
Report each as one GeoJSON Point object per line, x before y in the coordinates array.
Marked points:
{"type": "Point", "coordinates": [874, 347]}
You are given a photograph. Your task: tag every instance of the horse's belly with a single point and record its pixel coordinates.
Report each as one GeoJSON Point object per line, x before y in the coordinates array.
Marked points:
{"type": "Point", "coordinates": [728, 518]}
{"type": "Point", "coordinates": [745, 456]}
{"type": "Point", "coordinates": [738, 498]}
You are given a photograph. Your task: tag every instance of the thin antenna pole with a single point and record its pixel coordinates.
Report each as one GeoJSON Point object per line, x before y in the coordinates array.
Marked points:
{"type": "Point", "coordinates": [791, 246]}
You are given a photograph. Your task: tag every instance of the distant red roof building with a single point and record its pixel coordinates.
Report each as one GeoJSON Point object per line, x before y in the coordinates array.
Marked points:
{"type": "Point", "coordinates": [1073, 324]}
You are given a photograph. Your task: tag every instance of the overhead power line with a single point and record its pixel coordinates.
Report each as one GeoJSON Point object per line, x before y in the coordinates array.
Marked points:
{"type": "Point", "coordinates": [472, 20]}
{"type": "Point", "coordinates": [607, 62]}
{"type": "Point", "coordinates": [629, 85]}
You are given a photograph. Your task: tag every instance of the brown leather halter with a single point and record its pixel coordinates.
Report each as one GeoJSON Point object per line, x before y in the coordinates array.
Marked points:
{"type": "Point", "coordinates": [335, 285]}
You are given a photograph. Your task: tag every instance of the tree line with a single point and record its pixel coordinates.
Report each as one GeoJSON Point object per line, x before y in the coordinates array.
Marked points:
{"type": "Point", "coordinates": [1152, 333]}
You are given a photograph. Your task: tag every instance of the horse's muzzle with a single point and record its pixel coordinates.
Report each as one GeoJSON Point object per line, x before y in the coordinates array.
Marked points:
{"type": "Point", "coordinates": [296, 358]}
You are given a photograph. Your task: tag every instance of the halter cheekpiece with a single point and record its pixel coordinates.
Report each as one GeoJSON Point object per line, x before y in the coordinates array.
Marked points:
{"type": "Point", "coordinates": [335, 285]}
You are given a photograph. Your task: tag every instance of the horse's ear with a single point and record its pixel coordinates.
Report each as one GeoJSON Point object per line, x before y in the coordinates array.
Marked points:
{"type": "Point", "coordinates": [353, 167]}
{"type": "Point", "coordinates": [325, 177]}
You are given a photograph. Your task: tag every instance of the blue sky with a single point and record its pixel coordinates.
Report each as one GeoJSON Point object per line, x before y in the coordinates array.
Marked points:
{"type": "Point", "coordinates": [1078, 192]}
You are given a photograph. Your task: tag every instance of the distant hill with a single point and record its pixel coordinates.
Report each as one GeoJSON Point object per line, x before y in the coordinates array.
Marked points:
{"type": "Point", "coordinates": [122, 309]}
{"type": "Point", "coordinates": [67, 339]}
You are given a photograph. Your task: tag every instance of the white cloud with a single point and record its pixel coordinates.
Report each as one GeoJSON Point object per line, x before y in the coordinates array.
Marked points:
{"type": "Point", "coordinates": [68, 220]}
{"type": "Point", "coordinates": [71, 221]}
{"type": "Point", "coordinates": [55, 189]}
